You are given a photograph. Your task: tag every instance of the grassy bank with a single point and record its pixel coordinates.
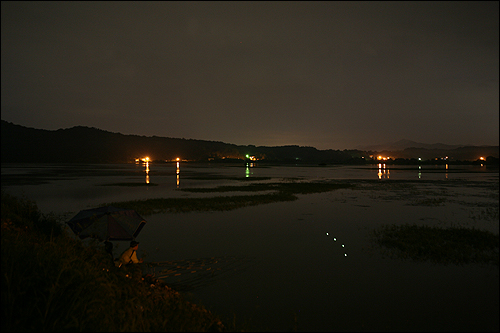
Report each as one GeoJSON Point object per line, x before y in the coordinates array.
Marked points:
{"type": "Point", "coordinates": [52, 282]}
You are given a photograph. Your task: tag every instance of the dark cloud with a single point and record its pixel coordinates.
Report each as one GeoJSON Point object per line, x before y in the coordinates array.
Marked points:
{"type": "Point", "coordinates": [323, 74]}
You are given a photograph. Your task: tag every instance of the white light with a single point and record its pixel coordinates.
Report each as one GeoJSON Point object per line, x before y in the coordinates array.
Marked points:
{"type": "Point", "coordinates": [342, 245]}
{"type": "Point", "coordinates": [345, 254]}
{"type": "Point", "coordinates": [327, 234]}
{"type": "Point", "coordinates": [334, 239]}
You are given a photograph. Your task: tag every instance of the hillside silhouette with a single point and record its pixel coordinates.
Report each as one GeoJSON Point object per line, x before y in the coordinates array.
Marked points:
{"type": "Point", "coordinates": [81, 144]}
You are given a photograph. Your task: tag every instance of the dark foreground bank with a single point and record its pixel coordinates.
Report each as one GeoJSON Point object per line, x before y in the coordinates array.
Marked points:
{"type": "Point", "coordinates": [52, 282]}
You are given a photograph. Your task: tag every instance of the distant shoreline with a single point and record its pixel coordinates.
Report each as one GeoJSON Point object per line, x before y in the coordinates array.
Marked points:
{"type": "Point", "coordinates": [91, 145]}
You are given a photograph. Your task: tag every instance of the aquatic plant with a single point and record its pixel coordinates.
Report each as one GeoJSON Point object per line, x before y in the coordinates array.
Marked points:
{"type": "Point", "coordinates": [130, 184]}
{"type": "Point", "coordinates": [429, 202]}
{"type": "Point", "coordinates": [290, 187]}
{"type": "Point", "coordinates": [456, 245]}
{"type": "Point", "coordinates": [219, 203]}
{"type": "Point", "coordinates": [281, 192]}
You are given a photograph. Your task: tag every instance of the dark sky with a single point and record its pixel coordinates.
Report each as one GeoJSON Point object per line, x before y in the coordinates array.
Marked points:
{"type": "Point", "coordinates": [323, 74]}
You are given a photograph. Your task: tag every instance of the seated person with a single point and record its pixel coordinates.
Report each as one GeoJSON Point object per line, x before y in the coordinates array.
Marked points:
{"type": "Point", "coordinates": [129, 256]}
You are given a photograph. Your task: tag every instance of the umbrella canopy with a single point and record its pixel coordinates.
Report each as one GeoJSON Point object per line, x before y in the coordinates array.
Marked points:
{"type": "Point", "coordinates": [107, 223]}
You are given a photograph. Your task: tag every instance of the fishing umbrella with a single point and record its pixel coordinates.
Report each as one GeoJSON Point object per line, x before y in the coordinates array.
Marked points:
{"type": "Point", "coordinates": [107, 223]}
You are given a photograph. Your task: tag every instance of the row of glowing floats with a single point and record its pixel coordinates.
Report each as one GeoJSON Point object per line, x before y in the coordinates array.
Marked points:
{"type": "Point", "coordinates": [343, 246]}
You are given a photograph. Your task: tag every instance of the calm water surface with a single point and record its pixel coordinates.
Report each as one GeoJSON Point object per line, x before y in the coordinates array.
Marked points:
{"type": "Point", "coordinates": [308, 264]}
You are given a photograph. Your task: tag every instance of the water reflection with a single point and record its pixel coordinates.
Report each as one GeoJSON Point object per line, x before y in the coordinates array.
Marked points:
{"type": "Point", "coordinates": [177, 173]}
{"type": "Point", "coordinates": [248, 172]}
{"type": "Point", "coordinates": [422, 171]}
{"type": "Point", "coordinates": [147, 172]}
{"type": "Point", "coordinates": [382, 171]}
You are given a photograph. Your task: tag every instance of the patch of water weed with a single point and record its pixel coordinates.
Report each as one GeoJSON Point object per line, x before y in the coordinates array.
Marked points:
{"type": "Point", "coordinates": [282, 192]}
{"type": "Point", "coordinates": [244, 188]}
{"type": "Point", "coordinates": [249, 179]}
{"type": "Point", "coordinates": [454, 245]}
{"type": "Point", "coordinates": [290, 187]}
{"type": "Point", "coordinates": [490, 204]}
{"type": "Point", "coordinates": [221, 177]}
{"type": "Point", "coordinates": [428, 202]}
{"type": "Point", "coordinates": [312, 187]}
{"type": "Point", "coordinates": [183, 205]}
{"type": "Point", "coordinates": [209, 176]}
{"type": "Point", "coordinates": [487, 214]}
{"type": "Point", "coordinates": [129, 184]}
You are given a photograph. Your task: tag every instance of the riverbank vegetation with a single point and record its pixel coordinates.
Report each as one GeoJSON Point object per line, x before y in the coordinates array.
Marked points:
{"type": "Point", "coordinates": [53, 282]}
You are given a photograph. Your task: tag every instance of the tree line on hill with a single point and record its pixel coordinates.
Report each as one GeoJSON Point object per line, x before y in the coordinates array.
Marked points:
{"type": "Point", "coordinates": [91, 145]}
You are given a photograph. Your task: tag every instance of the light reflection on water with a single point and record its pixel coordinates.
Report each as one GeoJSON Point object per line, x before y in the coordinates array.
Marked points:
{"type": "Point", "coordinates": [311, 257]}
{"type": "Point", "coordinates": [178, 174]}
{"type": "Point", "coordinates": [382, 172]}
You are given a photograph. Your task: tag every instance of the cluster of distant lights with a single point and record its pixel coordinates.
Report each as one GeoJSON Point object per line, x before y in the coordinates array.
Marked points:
{"type": "Point", "coordinates": [385, 158]}
{"type": "Point", "coordinates": [251, 158]}
{"type": "Point", "coordinates": [143, 159]}
{"type": "Point", "coordinates": [147, 159]}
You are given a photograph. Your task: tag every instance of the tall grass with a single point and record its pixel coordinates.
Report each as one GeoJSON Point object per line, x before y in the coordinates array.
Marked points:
{"type": "Point", "coordinates": [53, 282]}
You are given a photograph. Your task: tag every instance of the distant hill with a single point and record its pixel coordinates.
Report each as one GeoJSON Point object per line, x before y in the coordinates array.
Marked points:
{"type": "Point", "coordinates": [81, 144]}
{"type": "Point", "coordinates": [410, 149]}
{"type": "Point", "coordinates": [404, 144]}
{"type": "Point", "coordinates": [85, 144]}
{"type": "Point", "coordinates": [91, 145]}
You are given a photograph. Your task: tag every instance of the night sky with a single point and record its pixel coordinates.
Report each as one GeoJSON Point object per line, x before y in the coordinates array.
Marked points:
{"type": "Point", "coordinates": [331, 75]}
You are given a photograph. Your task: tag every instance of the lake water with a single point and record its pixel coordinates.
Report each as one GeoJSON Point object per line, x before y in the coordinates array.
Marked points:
{"type": "Point", "coordinates": [307, 264]}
